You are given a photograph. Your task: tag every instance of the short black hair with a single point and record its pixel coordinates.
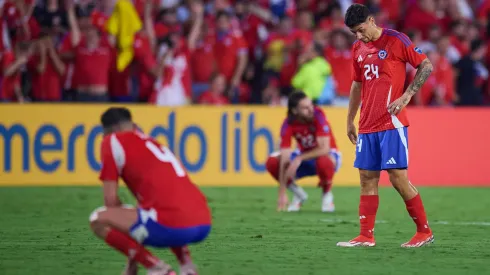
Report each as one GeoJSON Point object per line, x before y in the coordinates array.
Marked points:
{"type": "Point", "coordinates": [114, 116]}
{"type": "Point", "coordinates": [222, 13]}
{"type": "Point", "coordinates": [476, 45]}
{"type": "Point", "coordinates": [293, 101]}
{"type": "Point", "coordinates": [356, 14]}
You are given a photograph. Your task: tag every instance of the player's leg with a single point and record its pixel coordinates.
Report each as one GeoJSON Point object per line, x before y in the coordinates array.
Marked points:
{"type": "Point", "coordinates": [325, 169]}
{"type": "Point", "coordinates": [113, 225]}
{"type": "Point", "coordinates": [327, 194]}
{"type": "Point", "coordinates": [395, 161]}
{"type": "Point", "coordinates": [177, 240]}
{"type": "Point", "coordinates": [368, 161]}
{"type": "Point", "coordinates": [299, 194]}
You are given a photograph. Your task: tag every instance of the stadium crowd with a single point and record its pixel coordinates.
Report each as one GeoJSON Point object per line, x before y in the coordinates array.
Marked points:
{"type": "Point", "coordinates": [171, 52]}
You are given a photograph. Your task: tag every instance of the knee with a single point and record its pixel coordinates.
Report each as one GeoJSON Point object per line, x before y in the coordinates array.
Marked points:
{"type": "Point", "coordinates": [272, 164]}
{"type": "Point", "coordinates": [369, 180]}
{"type": "Point", "coordinates": [96, 219]}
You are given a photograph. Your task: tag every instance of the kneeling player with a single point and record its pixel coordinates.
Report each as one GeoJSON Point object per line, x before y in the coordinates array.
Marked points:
{"type": "Point", "coordinates": [171, 213]}
{"type": "Point", "coordinates": [317, 153]}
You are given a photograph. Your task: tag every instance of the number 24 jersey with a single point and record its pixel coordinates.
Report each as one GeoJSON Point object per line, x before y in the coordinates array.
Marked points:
{"type": "Point", "coordinates": [381, 68]}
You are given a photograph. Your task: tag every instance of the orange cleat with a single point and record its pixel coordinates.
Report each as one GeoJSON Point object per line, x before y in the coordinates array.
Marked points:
{"type": "Point", "coordinates": [420, 239]}
{"type": "Point", "coordinates": [358, 241]}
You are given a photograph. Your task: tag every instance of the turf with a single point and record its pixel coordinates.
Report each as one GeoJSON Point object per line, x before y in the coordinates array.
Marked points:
{"type": "Point", "coordinates": [45, 231]}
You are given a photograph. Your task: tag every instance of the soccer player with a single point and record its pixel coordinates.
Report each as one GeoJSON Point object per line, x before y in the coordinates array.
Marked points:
{"type": "Point", "coordinates": [379, 61]}
{"type": "Point", "coordinates": [171, 211]}
{"type": "Point", "coordinates": [317, 153]}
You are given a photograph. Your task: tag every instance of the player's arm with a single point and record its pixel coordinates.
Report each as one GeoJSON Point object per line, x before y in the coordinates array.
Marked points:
{"type": "Point", "coordinates": [354, 97]}
{"type": "Point", "coordinates": [111, 198]}
{"type": "Point", "coordinates": [423, 72]}
{"type": "Point", "coordinates": [354, 103]}
{"type": "Point", "coordinates": [406, 51]}
{"type": "Point", "coordinates": [284, 152]}
{"type": "Point", "coordinates": [109, 175]}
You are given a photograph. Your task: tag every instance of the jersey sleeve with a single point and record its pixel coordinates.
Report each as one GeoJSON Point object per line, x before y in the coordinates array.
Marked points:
{"type": "Point", "coordinates": [286, 135]}
{"type": "Point", "coordinates": [356, 70]}
{"type": "Point", "coordinates": [322, 126]}
{"type": "Point", "coordinates": [109, 171]}
{"type": "Point", "coordinates": [406, 51]}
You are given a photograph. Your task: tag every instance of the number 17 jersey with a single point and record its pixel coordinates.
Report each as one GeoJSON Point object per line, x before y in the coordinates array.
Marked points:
{"type": "Point", "coordinates": [381, 68]}
{"type": "Point", "coordinates": [155, 177]}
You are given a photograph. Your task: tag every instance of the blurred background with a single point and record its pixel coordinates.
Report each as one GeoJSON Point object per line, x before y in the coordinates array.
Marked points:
{"type": "Point", "coordinates": [172, 53]}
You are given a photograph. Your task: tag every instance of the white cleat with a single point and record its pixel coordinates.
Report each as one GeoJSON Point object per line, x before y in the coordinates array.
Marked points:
{"type": "Point", "coordinates": [161, 269]}
{"type": "Point", "coordinates": [358, 241]}
{"type": "Point", "coordinates": [296, 203]}
{"type": "Point", "coordinates": [188, 269]}
{"type": "Point", "coordinates": [327, 203]}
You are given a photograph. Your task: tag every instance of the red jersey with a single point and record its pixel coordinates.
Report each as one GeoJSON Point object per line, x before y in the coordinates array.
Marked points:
{"type": "Point", "coordinates": [381, 67]}
{"type": "Point", "coordinates": [306, 134]}
{"type": "Point", "coordinates": [155, 177]}
{"type": "Point", "coordinates": [227, 49]}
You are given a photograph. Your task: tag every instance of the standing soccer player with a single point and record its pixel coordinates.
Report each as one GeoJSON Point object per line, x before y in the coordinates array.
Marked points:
{"type": "Point", "coordinates": [316, 154]}
{"type": "Point", "coordinates": [171, 213]}
{"type": "Point", "coordinates": [379, 61]}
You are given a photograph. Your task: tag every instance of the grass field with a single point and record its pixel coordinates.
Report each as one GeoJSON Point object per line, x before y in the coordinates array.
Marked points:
{"type": "Point", "coordinates": [45, 231]}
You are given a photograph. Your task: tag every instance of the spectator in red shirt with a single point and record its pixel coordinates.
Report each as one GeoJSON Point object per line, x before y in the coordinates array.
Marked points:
{"type": "Point", "coordinates": [203, 61]}
{"type": "Point", "coordinates": [46, 70]}
{"type": "Point", "coordinates": [421, 16]}
{"type": "Point", "coordinates": [11, 65]}
{"type": "Point", "coordinates": [216, 95]}
{"type": "Point", "coordinates": [339, 55]}
{"type": "Point", "coordinates": [92, 61]}
{"type": "Point", "coordinates": [231, 53]}
{"type": "Point", "coordinates": [272, 94]}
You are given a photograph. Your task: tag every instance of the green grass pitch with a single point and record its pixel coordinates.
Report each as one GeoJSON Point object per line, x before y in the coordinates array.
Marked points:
{"type": "Point", "coordinates": [44, 230]}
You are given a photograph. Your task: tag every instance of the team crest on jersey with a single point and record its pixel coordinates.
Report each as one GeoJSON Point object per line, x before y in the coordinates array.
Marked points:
{"type": "Point", "coordinates": [417, 50]}
{"type": "Point", "coordinates": [326, 129]}
{"type": "Point", "coordinates": [382, 54]}
{"type": "Point", "coordinates": [312, 128]}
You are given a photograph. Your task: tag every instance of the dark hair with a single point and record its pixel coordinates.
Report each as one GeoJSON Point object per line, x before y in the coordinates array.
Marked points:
{"type": "Point", "coordinates": [293, 101]}
{"type": "Point", "coordinates": [476, 45]}
{"type": "Point", "coordinates": [114, 116]}
{"type": "Point", "coordinates": [356, 14]}
{"type": "Point", "coordinates": [222, 13]}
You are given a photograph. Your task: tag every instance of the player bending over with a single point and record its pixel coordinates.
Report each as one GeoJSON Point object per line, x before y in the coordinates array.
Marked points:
{"type": "Point", "coordinates": [317, 153]}
{"type": "Point", "coordinates": [171, 212]}
{"type": "Point", "coordinates": [379, 61]}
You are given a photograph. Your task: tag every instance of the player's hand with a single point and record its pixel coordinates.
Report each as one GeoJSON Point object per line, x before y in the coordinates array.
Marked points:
{"type": "Point", "coordinates": [292, 168]}
{"type": "Point", "coordinates": [352, 133]}
{"type": "Point", "coordinates": [396, 106]}
{"type": "Point", "coordinates": [282, 200]}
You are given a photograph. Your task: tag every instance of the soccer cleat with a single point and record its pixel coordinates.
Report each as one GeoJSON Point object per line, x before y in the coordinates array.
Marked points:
{"type": "Point", "coordinates": [161, 269]}
{"type": "Point", "coordinates": [188, 269]}
{"type": "Point", "coordinates": [327, 203]}
{"type": "Point", "coordinates": [358, 241]}
{"type": "Point", "coordinates": [419, 239]}
{"type": "Point", "coordinates": [296, 204]}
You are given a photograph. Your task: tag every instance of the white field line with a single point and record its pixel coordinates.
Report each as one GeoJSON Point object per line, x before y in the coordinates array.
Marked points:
{"type": "Point", "coordinates": [475, 223]}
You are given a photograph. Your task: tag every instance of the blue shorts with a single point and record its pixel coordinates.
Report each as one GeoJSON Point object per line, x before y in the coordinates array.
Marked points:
{"type": "Point", "coordinates": [149, 232]}
{"type": "Point", "coordinates": [308, 167]}
{"type": "Point", "coordinates": [382, 150]}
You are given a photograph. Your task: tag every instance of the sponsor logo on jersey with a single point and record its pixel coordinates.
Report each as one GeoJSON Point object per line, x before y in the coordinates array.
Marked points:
{"type": "Point", "coordinates": [382, 54]}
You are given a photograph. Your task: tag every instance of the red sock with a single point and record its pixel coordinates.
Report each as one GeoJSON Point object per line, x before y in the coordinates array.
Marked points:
{"type": "Point", "coordinates": [367, 214]}
{"type": "Point", "coordinates": [325, 169]}
{"type": "Point", "coordinates": [131, 248]}
{"type": "Point", "coordinates": [182, 253]}
{"type": "Point", "coordinates": [415, 208]}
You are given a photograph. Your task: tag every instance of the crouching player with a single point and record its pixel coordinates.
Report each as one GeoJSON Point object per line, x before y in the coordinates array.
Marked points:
{"type": "Point", "coordinates": [316, 154]}
{"type": "Point", "coordinates": [171, 212]}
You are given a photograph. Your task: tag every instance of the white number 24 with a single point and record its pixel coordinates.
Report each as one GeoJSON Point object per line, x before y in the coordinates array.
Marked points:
{"type": "Point", "coordinates": [370, 71]}
{"type": "Point", "coordinates": [165, 155]}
